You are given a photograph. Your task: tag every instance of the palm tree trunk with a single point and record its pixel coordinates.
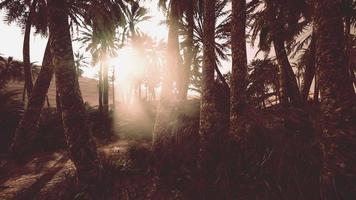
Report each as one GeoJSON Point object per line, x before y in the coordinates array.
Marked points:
{"type": "Point", "coordinates": [105, 87]}
{"type": "Point", "coordinates": [27, 128]}
{"type": "Point", "coordinates": [81, 146]}
{"type": "Point", "coordinates": [47, 101]}
{"type": "Point", "coordinates": [23, 95]}
{"type": "Point", "coordinates": [282, 88]}
{"type": "Point", "coordinates": [100, 88]}
{"type": "Point", "coordinates": [239, 69]}
{"type": "Point", "coordinates": [26, 51]}
{"type": "Point", "coordinates": [288, 77]}
{"type": "Point", "coordinates": [113, 88]}
{"type": "Point", "coordinates": [221, 77]}
{"type": "Point", "coordinates": [338, 137]}
{"type": "Point", "coordinates": [207, 130]}
{"type": "Point", "coordinates": [316, 89]}
{"type": "Point", "coordinates": [348, 49]}
{"type": "Point", "coordinates": [160, 130]}
{"type": "Point", "coordinates": [189, 53]}
{"type": "Point", "coordinates": [309, 70]}
{"type": "Point", "coordinates": [105, 113]}
{"type": "Point", "coordinates": [289, 84]}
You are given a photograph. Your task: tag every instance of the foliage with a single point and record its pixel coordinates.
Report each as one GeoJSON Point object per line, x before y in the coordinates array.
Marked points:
{"type": "Point", "coordinates": [263, 80]}
{"type": "Point", "coordinates": [11, 111]}
{"type": "Point", "coordinates": [10, 69]}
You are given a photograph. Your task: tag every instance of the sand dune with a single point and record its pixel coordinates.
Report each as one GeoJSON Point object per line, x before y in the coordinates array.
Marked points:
{"type": "Point", "coordinates": [88, 89]}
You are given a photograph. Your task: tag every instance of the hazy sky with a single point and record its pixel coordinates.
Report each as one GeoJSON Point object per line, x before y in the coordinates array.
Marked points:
{"type": "Point", "coordinates": [12, 37]}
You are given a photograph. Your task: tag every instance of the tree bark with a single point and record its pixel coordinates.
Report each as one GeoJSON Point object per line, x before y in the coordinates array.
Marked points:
{"type": "Point", "coordinates": [207, 130]}
{"type": "Point", "coordinates": [239, 69]}
{"type": "Point", "coordinates": [348, 49]}
{"type": "Point", "coordinates": [164, 110]}
{"type": "Point", "coordinates": [309, 70]}
{"type": "Point", "coordinates": [28, 126]}
{"type": "Point", "coordinates": [81, 146]}
{"type": "Point", "coordinates": [100, 89]}
{"type": "Point", "coordinates": [105, 85]}
{"type": "Point", "coordinates": [113, 88]}
{"type": "Point", "coordinates": [338, 137]}
{"type": "Point", "coordinates": [288, 84]}
{"type": "Point", "coordinates": [288, 76]}
{"type": "Point", "coordinates": [189, 53]}
{"type": "Point", "coordinates": [26, 50]}
{"type": "Point", "coordinates": [221, 77]}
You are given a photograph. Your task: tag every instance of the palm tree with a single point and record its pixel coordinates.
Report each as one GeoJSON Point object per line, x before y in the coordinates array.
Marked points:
{"type": "Point", "coordinates": [207, 129]}
{"type": "Point", "coordinates": [239, 69]}
{"type": "Point", "coordinates": [276, 23]}
{"type": "Point", "coordinates": [263, 82]}
{"type": "Point", "coordinates": [307, 60]}
{"type": "Point", "coordinates": [222, 38]}
{"type": "Point", "coordinates": [24, 13]}
{"type": "Point", "coordinates": [81, 146]}
{"type": "Point", "coordinates": [165, 104]}
{"type": "Point", "coordinates": [100, 37]}
{"type": "Point", "coordinates": [10, 69]}
{"type": "Point", "coordinates": [27, 128]}
{"type": "Point", "coordinates": [135, 15]}
{"type": "Point", "coordinates": [188, 44]}
{"type": "Point", "coordinates": [337, 103]}
{"type": "Point", "coordinates": [80, 63]}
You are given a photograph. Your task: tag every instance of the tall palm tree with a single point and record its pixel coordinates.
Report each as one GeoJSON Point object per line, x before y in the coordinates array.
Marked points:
{"type": "Point", "coordinates": [135, 15]}
{"type": "Point", "coordinates": [189, 11]}
{"type": "Point", "coordinates": [222, 37]}
{"type": "Point", "coordinates": [27, 128]}
{"type": "Point", "coordinates": [24, 13]}
{"type": "Point", "coordinates": [337, 103]}
{"type": "Point", "coordinates": [165, 104]}
{"type": "Point", "coordinates": [239, 68]}
{"type": "Point", "coordinates": [80, 63]}
{"type": "Point", "coordinates": [81, 146]}
{"type": "Point", "coordinates": [100, 37]}
{"type": "Point", "coordinates": [276, 23]}
{"type": "Point", "coordinates": [207, 129]}
{"type": "Point", "coordinates": [26, 49]}
{"type": "Point", "coordinates": [307, 59]}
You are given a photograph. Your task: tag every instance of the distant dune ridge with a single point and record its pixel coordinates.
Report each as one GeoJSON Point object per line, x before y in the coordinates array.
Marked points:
{"type": "Point", "coordinates": [88, 87]}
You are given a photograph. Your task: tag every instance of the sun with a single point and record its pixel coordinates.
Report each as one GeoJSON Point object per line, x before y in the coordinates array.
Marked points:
{"type": "Point", "coordinates": [129, 71]}
{"type": "Point", "coordinates": [128, 65]}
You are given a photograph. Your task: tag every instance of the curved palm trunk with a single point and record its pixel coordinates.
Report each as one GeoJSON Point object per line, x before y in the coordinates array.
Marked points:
{"type": "Point", "coordinates": [337, 104]}
{"type": "Point", "coordinates": [288, 84]}
{"type": "Point", "coordinates": [164, 110]}
{"type": "Point", "coordinates": [239, 69]}
{"type": "Point", "coordinates": [26, 51]}
{"type": "Point", "coordinates": [221, 77]}
{"type": "Point", "coordinates": [289, 80]}
{"type": "Point", "coordinates": [207, 126]}
{"type": "Point", "coordinates": [28, 126]}
{"type": "Point", "coordinates": [81, 146]}
{"type": "Point", "coordinates": [309, 70]}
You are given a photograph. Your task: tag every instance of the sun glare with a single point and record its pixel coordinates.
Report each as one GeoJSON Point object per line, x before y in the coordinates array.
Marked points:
{"type": "Point", "coordinates": [129, 70]}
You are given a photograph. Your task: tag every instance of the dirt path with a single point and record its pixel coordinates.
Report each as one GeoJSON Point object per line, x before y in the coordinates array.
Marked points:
{"type": "Point", "coordinates": [39, 176]}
